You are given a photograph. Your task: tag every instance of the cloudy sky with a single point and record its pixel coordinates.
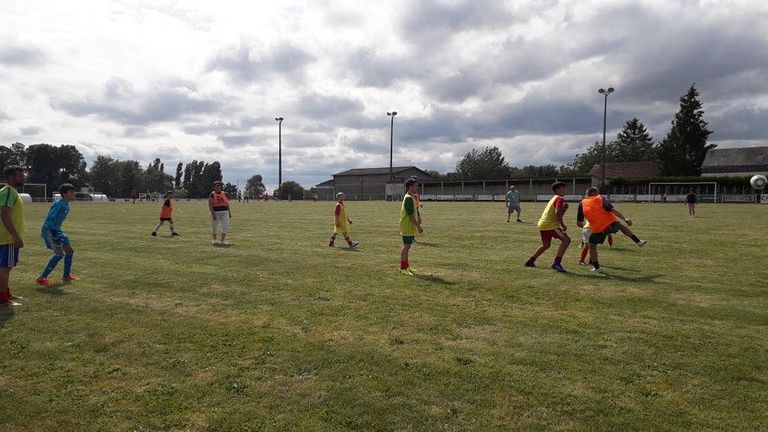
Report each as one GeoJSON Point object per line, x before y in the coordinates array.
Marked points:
{"type": "Point", "coordinates": [185, 80]}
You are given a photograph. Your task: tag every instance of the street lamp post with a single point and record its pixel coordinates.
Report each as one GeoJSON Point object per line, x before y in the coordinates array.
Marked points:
{"type": "Point", "coordinates": [391, 136]}
{"type": "Point", "coordinates": [605, 93]}
{"type": "Point", "coordinates": [279, 121]}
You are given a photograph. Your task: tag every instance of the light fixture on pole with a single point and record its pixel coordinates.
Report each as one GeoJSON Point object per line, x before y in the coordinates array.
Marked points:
{"type": "Point", "coordinates": [391, 136]}
{"type": "Point", "coordinates": [279, 121]}
{"type": "Point", "coordinates": [605, 93]}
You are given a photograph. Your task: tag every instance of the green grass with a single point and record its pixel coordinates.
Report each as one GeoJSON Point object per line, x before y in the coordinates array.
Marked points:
{"type": "Point", "coordinates": [281, 333]}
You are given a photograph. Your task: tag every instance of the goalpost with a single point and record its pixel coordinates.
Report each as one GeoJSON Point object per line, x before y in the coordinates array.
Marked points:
{"type": "Point", "coordinates": [38, 191]}
{"type": "Point", "coordinates": [676, 192]}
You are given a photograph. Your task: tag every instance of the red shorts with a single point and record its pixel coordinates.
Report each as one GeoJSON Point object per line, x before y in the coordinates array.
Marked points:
{"type": "Point", "coordinates": [556, 233]}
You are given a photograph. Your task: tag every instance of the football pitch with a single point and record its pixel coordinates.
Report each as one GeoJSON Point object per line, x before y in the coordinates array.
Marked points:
{"type": "Point", "coordinates": [279, 332]}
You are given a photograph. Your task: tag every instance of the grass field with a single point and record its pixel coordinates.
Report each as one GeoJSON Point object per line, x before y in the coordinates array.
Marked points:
{"type": "Point", "coordinates": [280, 333]}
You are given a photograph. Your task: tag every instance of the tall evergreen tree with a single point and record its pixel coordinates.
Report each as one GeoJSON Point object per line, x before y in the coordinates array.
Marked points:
{"type": "Point", "coordinates": [633, 143]}
{"type": "Point", "coordinates": [487, 163]}
{"type": "Point", "coordinates": [683, 149]}
{"type": "Point", "coordinates": [177, 179]}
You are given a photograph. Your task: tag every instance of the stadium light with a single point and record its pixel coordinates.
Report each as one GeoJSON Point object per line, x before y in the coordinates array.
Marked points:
{"type": "Point", "coordinates": [279, 121]}
{"type": "Point", "coordinates": [605, 93]}
{"type": "Point", "coordinates": [391, 116]}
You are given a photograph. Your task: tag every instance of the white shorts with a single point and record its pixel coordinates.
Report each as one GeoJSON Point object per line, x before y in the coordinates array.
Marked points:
{"type": "Point", "coordinates": [222, 217]}
{"type": "Point", "coordinates": [585, 233]}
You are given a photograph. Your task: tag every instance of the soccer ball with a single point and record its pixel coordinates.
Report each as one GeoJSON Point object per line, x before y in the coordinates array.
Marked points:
{"type": "Point", "coordinates": [758, 181]}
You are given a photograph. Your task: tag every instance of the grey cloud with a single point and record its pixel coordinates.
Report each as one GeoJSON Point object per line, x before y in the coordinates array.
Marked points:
{"type": "Point", "coordinates": [247, 62]}
{"type": "Point", "coordinates": [740, 123]}
{"type": "Point", "coordinates": [430, 22]}
{"type": "Point", "coordinates": [30, 130]}
{"type": "Point", "coordinates": [121, 103]}
{"type": "Point", "coordinates": [17, 54]}
{"type": "Point", "coordinates": [243, 140]}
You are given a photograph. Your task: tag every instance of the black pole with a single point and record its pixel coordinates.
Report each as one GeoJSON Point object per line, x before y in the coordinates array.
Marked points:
{"type": "Point", "coordinates": [605, 118]}
{"type": "Point", "coordinates": [391, 146]}
{"type": "Point", "coordinates": [280, 153]}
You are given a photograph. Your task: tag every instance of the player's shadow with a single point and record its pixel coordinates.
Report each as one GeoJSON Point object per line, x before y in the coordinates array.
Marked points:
{"type": "Point", "coordinates": [433, 279]}
{"type": "Point", "coordinates": [348, 249]}
{"type": "Point", "coordinates": [53, 290]}
{"type": "Point", "coordinates": [6, 315]}
{"type": "Point", "coordinates": [608, 276]}
{"type": "Point", "coordinates": [225, 245]}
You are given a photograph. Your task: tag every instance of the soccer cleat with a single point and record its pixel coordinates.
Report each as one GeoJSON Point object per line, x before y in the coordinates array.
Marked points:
{"type": "Point", "coordinates": [43, 282]}
{"type": "Point", "coordinates": [642, 243]}
{"type": "Point", "coordinates": [582, 263]}
{"type": "Point", "coordinates": [10, 303]}
{"type": "Point", "coordinates": [174, 234]}
{"type": "Point", "coordinates": [557, 267]}
{"type": "Point", "coordinates": [354, 244]}
{"type": "Point", "coordinates": [519, 220]}
{"type": "Point", "coordinates": [70, 278]}
{"type": "Point", "coordinates": [595, 270]}
{"type": "Point", "coordinates": [154, 234]}
{"type": "Point", "coordinates": [407, 272]}
{"type": "Point", "coordinates": [530, 264]}
{"type": "Point", "coordinates": [215, 242]}
{"type": "Point", "coordinates": [15, 297]}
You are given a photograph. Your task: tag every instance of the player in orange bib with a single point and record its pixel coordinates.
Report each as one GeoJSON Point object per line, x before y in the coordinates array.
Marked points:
{"type": "Point", "coordinates": [603, 220]}
{"type": "Point", "coordinates": [218, 204]}
{"type": "Point", "coordinates": [166, 215]}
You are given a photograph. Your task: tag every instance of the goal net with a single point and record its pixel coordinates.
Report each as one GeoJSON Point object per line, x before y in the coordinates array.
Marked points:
{"type": "Point", "coordinates": [38, 191]}
{"type": "Point", "coordinates": [676, 192]}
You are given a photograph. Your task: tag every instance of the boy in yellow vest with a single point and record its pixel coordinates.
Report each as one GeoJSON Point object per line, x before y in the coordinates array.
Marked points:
{"type": "Point", "coordinates": [342, 222]}
{"type": "Point", "coordinates": [603, 219]}
{"type": "Point", "coordinates": [11, 230]}
{"type": "Point", "coordinates": [551, 226]}
{"type": "Point", "coordinates": [410, 225]}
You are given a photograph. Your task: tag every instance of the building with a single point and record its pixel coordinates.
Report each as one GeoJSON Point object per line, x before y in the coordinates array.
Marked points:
{"type": "Point", "coordinates": [370, 183]}
{"type": "Point", "coordinates": [624, 170]}
{"type": "Point", "coordinates": [744, 161]}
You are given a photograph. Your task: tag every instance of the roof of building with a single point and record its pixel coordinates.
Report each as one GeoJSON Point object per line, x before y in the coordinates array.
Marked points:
{"type": "Point", "coordinates": [325, 184]}
{"type": "Point", "coordinates": [741, 156]}
{"type": "Point", "coordinates": [626, 170]}
{"type": "Point", "coordinates": [377, 171]}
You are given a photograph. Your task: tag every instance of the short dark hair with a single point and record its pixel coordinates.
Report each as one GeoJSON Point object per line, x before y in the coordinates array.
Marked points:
{"type": "Point", "coordinates": [593, 191]}
{"type": "Point", "coordinates": [410, 181]}
{"type": "Point", "coordinates": [169, 192]}
{"type": "Point", "coordinates": [218, 182]}
{"type": "Point", "coordinates": [66, 187]}
{"type": "Point", "coordinates": [12, 169]}
{"type": "Point", "coordinates": [557, 185]}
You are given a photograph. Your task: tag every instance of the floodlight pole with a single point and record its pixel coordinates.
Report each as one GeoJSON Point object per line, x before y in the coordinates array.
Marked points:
{"type": "Point", "coordinates": [605, 93]}
{"type": "Point", "coordinates": [279, 121]}
{"type": "Point", "coordinates": [391, 141]}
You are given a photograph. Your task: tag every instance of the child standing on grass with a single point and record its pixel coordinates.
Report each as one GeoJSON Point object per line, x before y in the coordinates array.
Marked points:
{"type": "Point", "coordinates": [551, 226]}
{"type": "Point", "coordinates": [55, 239]}
{"type": "Point", "coordinates": [690, 202]}
{"type": "Point", "coordinates": [166, 215]}
{"type": "Point", "coordinates": [218, 204]}
{"type": "Point", "coordinates": [11, 230]}
{"type": "Point", "coordinates": [409, 225]}
{"type": "Point", "coordinates": [342, 222]}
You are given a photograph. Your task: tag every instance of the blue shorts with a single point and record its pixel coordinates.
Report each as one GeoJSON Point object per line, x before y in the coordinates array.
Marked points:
{"type": "Point", "coordinates": [9, 255]}
{"type": "Point", "coordinates": [56, 244]}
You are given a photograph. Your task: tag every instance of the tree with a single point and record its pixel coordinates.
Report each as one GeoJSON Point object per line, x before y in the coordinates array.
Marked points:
{"type": "Point", "coordinates": [72, 166]}
{"type": "Point", "coordinates": [487, 163]}
{"type": "Point", "coordinates": [116, 178]}
{"type": "Point", "coordinates": [177, 179]}
{"type": "Point", "coordinates": [19, 155]}
{"type": "Point", "coordinates": [43, 166]}
{"type": "Point", "coordinates": [633, 143]}
{"type": "Point", "coordinates": [682, 151]}
{"type": "Point", "coordinates": [5, 155]}
{"type": "Point", "coordinates": [290, 188]}
{"type": "Point", "coordinates": [230, 190]}
{"type": "Point", "coordinates": [254, 187]}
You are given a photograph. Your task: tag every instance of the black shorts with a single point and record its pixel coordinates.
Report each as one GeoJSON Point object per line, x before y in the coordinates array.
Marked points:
{"type": "Point", "coordinates": [166, 219]}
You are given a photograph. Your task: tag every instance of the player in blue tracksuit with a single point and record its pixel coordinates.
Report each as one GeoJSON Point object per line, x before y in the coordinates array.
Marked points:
{"type": "Point", "coordinates": [55, 239]}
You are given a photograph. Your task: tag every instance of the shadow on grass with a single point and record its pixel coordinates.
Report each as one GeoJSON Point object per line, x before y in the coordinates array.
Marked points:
{"type": "Point", "coordinates": [607, 276]}
{"type": "Point", "coordinates": [433, 279]}
{"type": "Point", "coordinates": [348, 249]}
{"type": "Point", "coordinates": [54, 290]}
{"type": "Point", "coordinates": [220, 245]}
{"type": "Point", "coordinates": [6, 314]}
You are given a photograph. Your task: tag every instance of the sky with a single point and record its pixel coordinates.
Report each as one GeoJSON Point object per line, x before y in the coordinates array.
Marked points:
{"type": "Point", "coordinates": [184, 80]}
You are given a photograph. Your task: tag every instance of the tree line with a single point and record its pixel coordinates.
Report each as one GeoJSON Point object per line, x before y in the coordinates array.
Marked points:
{"type": "Point", "coordinates": [680, 153]}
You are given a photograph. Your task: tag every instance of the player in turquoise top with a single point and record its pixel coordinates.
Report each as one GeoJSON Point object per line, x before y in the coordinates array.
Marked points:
{"type": "Point", "coordinates": [55, 239]}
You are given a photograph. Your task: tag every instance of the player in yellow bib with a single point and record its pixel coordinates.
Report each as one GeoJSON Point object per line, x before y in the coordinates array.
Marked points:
{"type": "Point", "coordinates": [11, 230]}
{"type": "Point", "coordinates": [341, 222]}
{"type": "Point", "coordinates": [551, 226]}
{"type": "Point", "coordinates": [410, 225]}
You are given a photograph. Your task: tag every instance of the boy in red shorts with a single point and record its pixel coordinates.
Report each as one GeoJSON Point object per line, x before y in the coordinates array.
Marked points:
{"type": "Point", "coordinates": [551, 226]}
